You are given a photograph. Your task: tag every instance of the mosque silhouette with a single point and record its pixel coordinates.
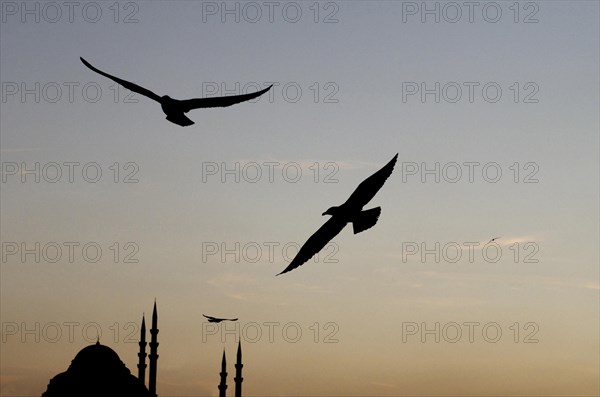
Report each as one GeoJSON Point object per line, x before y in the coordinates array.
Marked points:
{"type": "Point", "coordinates": [97, 371]}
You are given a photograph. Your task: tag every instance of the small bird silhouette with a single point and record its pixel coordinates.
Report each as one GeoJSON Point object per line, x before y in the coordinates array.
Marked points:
{"type": "Point", "coordinates": [492, 240]}
{"type": "Point", "coordinates": [175, 108]}
{"type": "Point", "coordinates": [350, 211]}
{"type": "Point", "coordinates": [218, 320]}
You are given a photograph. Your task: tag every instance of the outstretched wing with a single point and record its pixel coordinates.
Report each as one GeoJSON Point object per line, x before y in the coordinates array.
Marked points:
{"type": "Point", "coordinates": [209, 318]}
{"type": "Point", "coordinates": [370, 186]}
{"type": "Point", "coordinates": [316, 242]}
{"type": "Point", "coordinates": [221, 101]}
{"type": "Point", "coordinates": [130, 86]}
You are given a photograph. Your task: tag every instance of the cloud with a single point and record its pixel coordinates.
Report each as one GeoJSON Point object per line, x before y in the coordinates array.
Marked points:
{"type": "Point", "coordinates": [231, 280]}
{"type": "Point", "coordinates": [507, 241]}
{"type": "Point", "coordinates": [525, 279]}
{"type": "Point", "coordinates": [443, 303]}
{"type": "Point", "coordinates": [306, 164]}
{"type": "Point", "coordinates": [20, 150]}
{"type": "Point", "coordinates": [312, 288]}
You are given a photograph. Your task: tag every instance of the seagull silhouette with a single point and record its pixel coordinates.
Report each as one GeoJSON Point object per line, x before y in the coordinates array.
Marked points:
{"type": "Point", "coordinates": [350, 211]}
{"type": "Point", "coordinates": [494, 239]}
{"type": "Point", "coordinates": [218, 320]}
{"type": "Point", "coordinates": [175, 108]}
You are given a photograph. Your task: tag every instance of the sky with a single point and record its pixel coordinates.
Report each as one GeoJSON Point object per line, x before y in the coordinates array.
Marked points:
{"type": "Point", "coordinates": [106, 206]}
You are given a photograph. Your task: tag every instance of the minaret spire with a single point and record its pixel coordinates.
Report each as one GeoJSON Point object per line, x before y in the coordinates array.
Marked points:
{"type": "Point", "coordinates": [223, 384]}
{"type": "Point", "coordinates": [153, 355]}
{"type": "Point", "coordinates": [142, 354]}
{"type": "Point", "coordinates": [238, 371]}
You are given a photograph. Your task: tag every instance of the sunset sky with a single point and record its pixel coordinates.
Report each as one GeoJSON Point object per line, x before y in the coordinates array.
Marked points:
{"type": "Point", "coordinates": [106, 206]}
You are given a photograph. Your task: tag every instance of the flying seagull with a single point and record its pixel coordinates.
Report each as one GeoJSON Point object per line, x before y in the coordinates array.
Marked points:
{"type": "Point", "coordinates": [175, 108]}
{"type": "Point", "coordinates": [218, 320]}
{"type": "Point", "coordinates": [350, 211]}
{"type": "Point", "coordinates": [492, 240]}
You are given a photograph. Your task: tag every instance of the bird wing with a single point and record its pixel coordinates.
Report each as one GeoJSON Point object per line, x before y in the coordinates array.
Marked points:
{"type": "Point", "coordinates": [130, 86]}
{"type": "Point", "coordinates": [209, 317]}
{"type": "Point", "coordinates": [232, 319]}
{"type": "Point", "coordinates": [316, 242]}
{"type": "Point", "coordinates": [221, 101]}
{"type": "Point", "coordinates": [370, 186]}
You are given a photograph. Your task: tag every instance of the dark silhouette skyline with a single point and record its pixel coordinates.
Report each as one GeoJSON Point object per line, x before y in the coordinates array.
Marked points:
{"type": "Point", "coordinates": [175, 108]}
{"type": "Point", "coordinates": [153, 353]}
{"type": "Point", "coordinates": [142, 353]}
{"type": "Point", "coordinates": [97, 371]}
{"type": "Point", "coordinates": [223, 374]}
{"type": "Point", "coordinates": [349, 212]}
{"type": "Point", "coordinates": [238, 373]}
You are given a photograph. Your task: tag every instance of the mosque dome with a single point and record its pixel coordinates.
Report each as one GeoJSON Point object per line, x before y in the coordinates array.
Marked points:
{"type": "Point", "coordinates": [96, 370]}
{"type": "Point", "coordinates": [98, 358]}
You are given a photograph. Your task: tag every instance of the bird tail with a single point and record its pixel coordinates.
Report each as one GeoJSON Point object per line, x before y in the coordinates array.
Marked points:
{"type": "Point", "coordinates": [366, 220]}
{"type": "Point", "coordinates": [179, 119]}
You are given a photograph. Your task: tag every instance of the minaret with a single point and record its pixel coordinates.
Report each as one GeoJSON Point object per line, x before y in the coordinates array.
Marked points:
{"type": "Point", "coordinates": [153, 356]}
{"type": "Point", "coordinates": [223, 384]}
{"type": "Point", "coordinates": [142, 354]}
{"type": "Point", "coordinates": [238, 371]}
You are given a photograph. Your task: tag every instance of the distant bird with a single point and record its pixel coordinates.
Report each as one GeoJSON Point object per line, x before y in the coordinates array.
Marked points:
{"type": "Point", "coordinates": [350, 211]}
{"type": "Point", "coordinates": [175, 108]}
{"type": "Point", "coordinates": [492, 240]}
{"type": "Point", "coordinates": [218, 320]}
